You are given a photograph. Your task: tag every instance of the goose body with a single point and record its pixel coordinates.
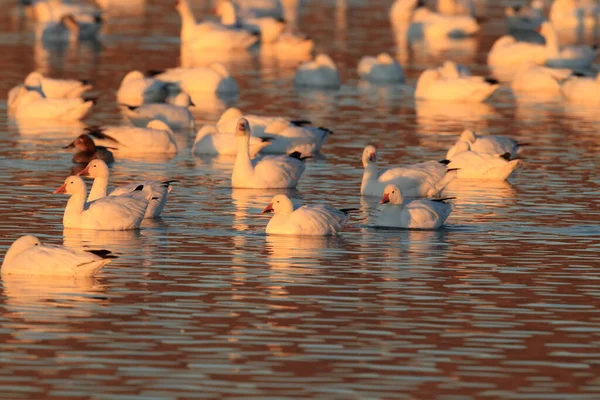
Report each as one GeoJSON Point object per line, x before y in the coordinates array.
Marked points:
{"type": "Point", "coordinates": [33, 106]}
{"type": "Point", "coordinates": [98, 170]}
{"type": "Point", "coordinates": [485, 144]}
{"type": "Point", "coordinates": [177, 115]}
{"type": "Point", "coordinates": [56, 88]}
{"type": "Point", "coordinates": [293, 45]}
{"type": "Point", "coordinates": [267, 27]}
{"type": "Point", "coordinates": [433, 86]}
{"type": "Point", "coordinates": [27, 256]}
{"type": "Point", "coordinates": [211, 142]}
{"type": "Point", "coordinates": [319, 73]}
{"type": "Point", "coordinates": [574, 13]}
{"type": "Point", "coordinates": [136, 89]}
{"type": "Point", "coordinates": [112, 213]}
{"type": "Point", "coordinates": [508, 52]}
{"type": "Point", "coordinates": [415, 214]}
{"type": "Point", "coordinates": [274, 172]}
{"type": "Point", "coordinates": [539, 79]}
{"type": "Point", "coordinates": [382, 68]}
{"type": "Point", "coordinates": [473, 165]}
{"type": "Point", "coordinates": [582, 90]}
{"type": "Point", "coordinates": [156, 138]}
{"type": "Point", "coordinates": [313, 220]}
{"type": "Point", "coordinates": [214, 78]}
{"type": "Point", "coordinates": [425, 179]}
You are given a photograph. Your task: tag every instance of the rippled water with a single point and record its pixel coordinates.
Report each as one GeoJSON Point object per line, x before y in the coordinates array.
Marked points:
{"type": "Point", "coordinates": [502, 303]}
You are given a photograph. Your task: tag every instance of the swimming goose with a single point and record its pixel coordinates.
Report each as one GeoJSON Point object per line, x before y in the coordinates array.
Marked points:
{"type": "Point", "coordinates": [574, 13]}
{"type": "Point", "coordinates": [209, 141]}
{"type": "Point", "coordinates": [313, 220]}
{"type": "Point", "coordinates": [293, 46]}
{"type": "Point", "coordinates": [507, 52]}
{"type": "Point", "coordinates": [582, 90]}
{"type": "Point", "coordinates": [211, 35]}
{"type": "Point", "coordinates": [415, 214]}
{"type": "Point", "coordinates": [268, 28]}
{"type": "Point", "coordinates": [273, 172]}
{"type": "Point", "coordinates": [112, 213]}
{"type": "Point", "coordinates": [422, 22]}
{"type": "Point", "coordinates": [67, 29]}
{"type": "Point", "coordinates": [88, 151]}
{"type": "Point", "coordinates": [176, 115]}
{"type": "Point", "coordinates": [56, 88]}
{"type": "Point", "coordinates": [382, 68]}
{"type": "Point", "coordinates": [214, 78]}
{"type": "Point", "coordinates": [156, 137]}
{"type": "Point", "coordinates": [485, 144]}
{"type": "Point", "coordinates": [98, 170]}
{"type": "Point", "coordinates": [431, 85]}
{"type": "Point", "coordinates": [15, 96]}
{"type": "Point", "coordinates": [33, 105]}
{"type": "Point", "coordinates": [525, 18]}
{"type": "Point", "coordinates": [319, 73]}
{"type": "Point", "coordinates": [28, 256]}
{"type": "Point", "coordinates": [536, 79]}
{"type": "Point", "coordinates": [425, 179]}
{"type": "Point", "coordinates": [577, 56]}
{"type": "Point", "coordinates": [136, 89]}
{"type": "Point", "coordinates": [473, 165]}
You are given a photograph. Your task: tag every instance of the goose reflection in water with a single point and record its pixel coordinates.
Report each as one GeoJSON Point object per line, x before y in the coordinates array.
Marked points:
{"type": "Point", "coordinates": [438, 117]}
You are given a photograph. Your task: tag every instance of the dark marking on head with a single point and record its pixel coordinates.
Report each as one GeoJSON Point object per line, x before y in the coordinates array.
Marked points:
{"type": "Point", "coordinates": [506, 156]}
{"type": "Point", "coordinates": [492, 81]}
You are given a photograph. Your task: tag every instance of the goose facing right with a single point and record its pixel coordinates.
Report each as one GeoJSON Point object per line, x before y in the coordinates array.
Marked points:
{"type": "Point", "coordinates": [56, 88]}
{"type": "Point", "coordinates": [432, 85]}
{"type": "Point", "coordinates": [27, 256]}
{"type": "Point", "coordinates": [485, 144]}
{"type": "Point", "coordinates": [473, 165]}
{"type": "Point", "coordinates": [319, 73]}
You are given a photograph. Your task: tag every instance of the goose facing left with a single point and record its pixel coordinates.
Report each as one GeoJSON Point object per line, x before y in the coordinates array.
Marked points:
{"type": "Point", "coordinates": [27, 256]}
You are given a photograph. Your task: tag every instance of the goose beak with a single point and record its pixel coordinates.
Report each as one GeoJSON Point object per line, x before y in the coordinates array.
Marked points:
{"type": "Point", "coordinates": [385, 198]}
{"type": "Point", "coordinates": [61, 190]}
{"type": "Point", "coordinates": [84, 171]}
{"type": "Point", "coordinates": [372, 157]}
{"type": "Point", "coordinates": [268, 208]}
{"type": "Point", "coordinates": [70, 146]}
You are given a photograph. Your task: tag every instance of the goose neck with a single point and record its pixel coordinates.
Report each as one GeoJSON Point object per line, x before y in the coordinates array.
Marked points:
{"type": "Point", "coordinates": [99, 189]}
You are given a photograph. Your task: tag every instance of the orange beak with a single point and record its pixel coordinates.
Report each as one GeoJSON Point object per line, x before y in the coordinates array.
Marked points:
{"type": "Point", "coordinates": [61, 190]}
{"type": "Point", "coordinates": [84, 171]}
{"type": "Point", "coordinates": [371, 156]}
{"type": "Point", "coordinates": [385, 198]}
{"type": "Point", "coordinates": [268, 208]}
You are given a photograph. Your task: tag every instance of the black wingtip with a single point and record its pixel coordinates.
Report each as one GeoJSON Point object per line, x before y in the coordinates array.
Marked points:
{"type": "Point", "coordinates": [139, 188]}
{"type": "Point", "coordinates": [98, 133]}
{"type": "Point", "coordinates": [452, 169]}
{"type": "Point", "coordinates": [349, 210]}
{"type": "Point", "coordinates": [492, 81]}
{"type": "Point", "coordinates": [155, 198]}
{"type": "Point", "coordinates": [170, 181]}
{"type": "Point", "coordinates": [153, 72]}
{"type": "Point", "coordinates": [297, 155]}
{"type": "Point", "coordinates": [327, 130]}
{"type": "Point", "coordinates": [106, 254]}
{"type": "Point", "coordinates": [267, 139]}
{"type": "Point", "coordinates": [517, 8]}
{"type": "Point", "coordinates": [300, 122]}
{"type": "Point", "coordinates": [579, 74]}
{"type": "Point", "coordinates": [506, 156]}
{"type": "Point", "coordinates": [445, 162]}
{"type": "Point", "coordinates": [443, 200]}
{"type": "Point", "coordinates": [131, 108]}
{"type": "Point", "coordinates": [523, 144]}
{"type": "Point", "coordinates": [86, 82]}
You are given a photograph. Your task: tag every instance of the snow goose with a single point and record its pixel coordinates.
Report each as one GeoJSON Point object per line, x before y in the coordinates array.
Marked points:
{"type": "Point", "coordinates": [211, 35]}
{"type": "Point", "coordinates": [88, 151]}
{"type": "Point", "coordinates": [156, 137]}
{"type": "Point", "coordinates": [320, 73]}
{"type": "Point", "coordinates": [525, 18]}
{"type": "Point", "coordinates": [293, 46]}
{"type": "Point", "coordinates": [15, 96]}
{"type": "Point", "coordinates": [268, 28]}
{"type": "Point", "coordinates": [578, 56]}
{"type": "Point", "coordinates": [425, 179]}
{"type": "Point", "coordinates": [456, 7]}
{"type": "Point", "coordinates": [507, 52]}
{"type": "Point", "coordinates": [452, 70]}
{"type": "Point", "coordinates": [112, 213]}
{"type": "Point", "coordinates": [67, 29]}
{"type": "Point", "coordinates": [214, 78]}
{"type": "Point", "coordinates": [56, 88]}
{"type": "Point", "coordinates": [582, 90]}
{"type": "Point", "coordinates": [472, 165]}
{"type": "Point", "coordinates": [433, 86]}
{"type": "Point", "coordinates": [313, 220]}
{"type": "Point", "coordinates": [28, 256]}
{"type": "Point", "coordinates": [415, 214]}
{"type": "Point", "coordinates": [176, 115]}
{"type": "Point", "coordinates": [98, 170]}
{"type": "Point", "coordinates": [422, 22]}
{"type": "Point", "coordinates": [136, 89]}
{"type": "Point", "coordinates": [574, 13]}
{"type": "Point", "coordinates": [485, 144]}
{"type": "Point", "coordinates": [539, 80]}
{"type": "Point", "coordinates": [211, 142]}
{"type": "Point", "coordinates": [273, 172]}
{"type": "Point", "coordinates": [382, 68]}
{"type": "Point", "coordinates": [33, 105]}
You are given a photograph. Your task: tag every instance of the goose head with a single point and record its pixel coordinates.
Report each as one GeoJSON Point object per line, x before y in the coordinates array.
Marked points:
{"type": "Point", "coordinates": [33, 80]}
{"type": "Point", "coordinates": [73, 185]}
{"type": "Point", "coordinates": [132, 76]}
{"type": "Point", "coordinates": [95, 169]}
{"type": "Point", "coordinates": [231, 113]}
{"type": "Point", "coordinates": [392, 195]}
{"type": "Point", "coordinates": [183, 100]}
{"type": "Point", "coordinates": [369, 156]}
{"type": "Point", "coordinates": [83, 143]}
{"type": "Point", "coordinates": [281, 204]}
{"type": "Point", "coordinates": [426, 78]}
{"type": "Point", "coordinates": [226, 10]}
{"type": "Point", "coordinates": [242, 129]}
{"type": "Point", "coordinates": [20, 245]}
{"type": "Point", "coordinates": [468, 136]}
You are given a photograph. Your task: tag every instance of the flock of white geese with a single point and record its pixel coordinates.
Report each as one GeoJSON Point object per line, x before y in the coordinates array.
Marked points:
{"type": "Point", "coordinates": [270, 151]}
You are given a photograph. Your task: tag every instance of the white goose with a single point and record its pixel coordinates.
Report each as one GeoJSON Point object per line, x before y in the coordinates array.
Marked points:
{"type": "Point", "coordinates": [315, 220]}
{"type": "Point", "coordinates": [209, 141]}
{"type": "Point", "coordinates": [382, 68]}
{"type": "Point", "coordinates": [578, 56]}
{"type": "Point", "coordinates": [208, 35]}
{"type": "Point", "coordinates": [274, 172]}
{"type": "Point", "coordinates": [136, 89]}
{"type": "Point", "coordinates": [176, 115]}
{"type": "Point", "coordinates": [582, 90]}
{"type": "Point", "coordinates": [425, 179]}
{"type": "Point", "coordinates": [525, 18]}
{"type": "Point", "coordinates": [28, 256]}
{"type": "Point", "coordinates": [214, 78]}
{"type": "Point", "coordinates": [473, 165]}
{"type": "Point", "coordinates": [268, 28]}
{"type": "Point", "coordinates": [574, 13]}
{"type": "Point", "coordinates": [416, 214]}
{"type": "Point", "coordinates": [422, 22]}
{"type": "Point", "coordinates": [538, 80]}
{"type": "Point", "coordinates": [293, 46]}
{"type": "Point", "coordinates": [31, 105]}
{"type": "Point", "coordinates": [56, 88]}
{"type": "Point", "coordinates": [98, 170]}
{"type": "Point", "coordinates": [452, 70]}
{"type": "Point", "coordinates": [112, 213]}
{"type": "Point", "coordinates": [15, 96]}
{"type": "Point", "coordinates": [156, 138]}
{"type": "Point", "coordinates": [319, 73]}
{"type": "Point", "coordinates": [485, 144]}
{"type": "Point", "coordinates": [473, 89]}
